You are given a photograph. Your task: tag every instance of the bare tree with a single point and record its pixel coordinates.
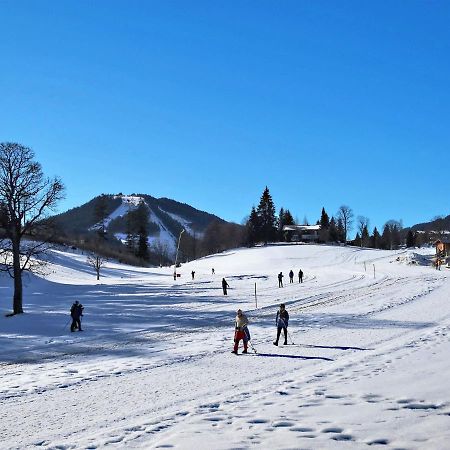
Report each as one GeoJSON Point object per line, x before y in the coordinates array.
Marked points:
{"type": "Point", "coordinates": [345, 213]}
{"type": "Point", "coordinates": [26, 197]}
{"type": "Point", "coordinates": [97, 262]}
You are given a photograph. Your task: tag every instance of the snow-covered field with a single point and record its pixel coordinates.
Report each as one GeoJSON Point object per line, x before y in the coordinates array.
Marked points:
{"type": "Point", "coordinates": [369, 364]}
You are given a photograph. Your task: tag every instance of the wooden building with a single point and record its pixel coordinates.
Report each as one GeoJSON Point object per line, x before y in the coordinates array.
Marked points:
{"type": "Point", "coordinates": [443, 249]}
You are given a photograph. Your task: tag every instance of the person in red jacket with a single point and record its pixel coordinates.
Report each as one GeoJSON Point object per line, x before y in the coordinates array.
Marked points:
{"type": "Point", "coordinates": [240, 328]}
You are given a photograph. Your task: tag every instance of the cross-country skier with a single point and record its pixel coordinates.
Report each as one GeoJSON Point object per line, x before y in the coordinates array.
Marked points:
{"type": "Point", "coordinates": [280, 279]}
{"type": "Point", "coordinates": [224, 286]}
{"type": "Point", "coordinates": [240, 331]}
{"type": "Point", "coordinates": [282, 321]}
{"type": "Point", "coordinates": [76, 311]}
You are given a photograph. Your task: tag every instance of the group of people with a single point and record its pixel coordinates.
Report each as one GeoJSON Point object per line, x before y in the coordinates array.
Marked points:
{"type": "Point", "coordinates": [241, 331]}
{"type": "Point", "coordinates": [291, 277]}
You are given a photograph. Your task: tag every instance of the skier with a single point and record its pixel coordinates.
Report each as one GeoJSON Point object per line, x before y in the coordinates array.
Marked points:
{"type": "Point", "coordinates": [282, 321]}
{"type": "Point", "coordinates": [76, 311]}
{"type": "Point", "coordinates": [240, 331]}
{"type": "Point", "coordinates": [300, 276]}
{"type": "Point", "coordinates": [193, 274]}
{"type": "Point", "coordinates": [280, 279]}
{"type": "Point", "coordinates": [224, 286]}
{"type": "Point", "coordinates": [212, 271]}
{"type": "Point", "coordinates": [291, 276]}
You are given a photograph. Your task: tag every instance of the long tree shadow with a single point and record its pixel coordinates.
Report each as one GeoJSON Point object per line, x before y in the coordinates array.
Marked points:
{"type": "Point", "coordinates": [275, 355]}
{"type": "Point", "coordinates": [336, 347]}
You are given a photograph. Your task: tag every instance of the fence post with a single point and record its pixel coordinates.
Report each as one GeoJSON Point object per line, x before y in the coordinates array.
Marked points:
{"type": "Point", "coordinates": [374, 270]}
{"type": "Point", "coordinates": [256, 299]}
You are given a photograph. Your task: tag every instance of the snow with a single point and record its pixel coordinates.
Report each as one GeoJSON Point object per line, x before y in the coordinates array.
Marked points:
{"type": "Point", "coordinates": [368, 364]}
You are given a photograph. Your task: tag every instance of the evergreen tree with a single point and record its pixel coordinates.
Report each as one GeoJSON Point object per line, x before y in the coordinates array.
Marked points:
{"type": "Point", "coordinates": [365, 238]}
{"type": "Point", "coordinates": [324, 220]}
{"type": "Point", "coordinates": [142, 247]}
{"type": "Point", "coordinates": [386, 238]}
{"type": "Point", "coordinates": [341, 231]}
{"type": "Point", "coordinates": [375, 239]}
{"type": "Point", "coordinates": [288, 218]}
{"type": "Point", "coordinates": [324, 226]}
{"type": "Point", "coordinates": [266, 214]}
{"type": "Point", "coordinates": [357, 240]}
{"type": "Point", "coordinates": [280, 225]}
{"type": "Point", "coordinates": [252, 228]}
{"type": "Point", "coordinates": [333, 235]}
{"type": "Point", "coordinates": [100, 213]}
{"type": "Point", "coordinates": [410, 239]}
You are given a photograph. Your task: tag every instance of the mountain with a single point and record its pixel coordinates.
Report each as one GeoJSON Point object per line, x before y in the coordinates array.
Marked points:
{"type": "Point", "coordinates": [437, 225]}
{"type": "Point", "coordinates": [166, 219]}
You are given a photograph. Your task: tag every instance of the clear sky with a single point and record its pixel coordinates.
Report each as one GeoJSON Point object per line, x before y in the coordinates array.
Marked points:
{"type": "Point", "coordinates": [207, 102]}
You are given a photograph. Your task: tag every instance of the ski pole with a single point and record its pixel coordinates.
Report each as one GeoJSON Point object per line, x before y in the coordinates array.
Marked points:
{"type": "Point", "coordinates": [289, 334]}
{"type": "Point", "coordinates": [251, 345]}
{"type": "Point", "coordinates": [286, 328]}
{"type": "Point", "coordinates": [67, 323]}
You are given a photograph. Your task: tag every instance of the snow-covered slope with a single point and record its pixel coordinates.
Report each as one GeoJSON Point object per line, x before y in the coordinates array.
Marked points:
{"type": "Point", "coordinates": [164, 238]}
{"type": "Point", "coordinates": [367, 361]}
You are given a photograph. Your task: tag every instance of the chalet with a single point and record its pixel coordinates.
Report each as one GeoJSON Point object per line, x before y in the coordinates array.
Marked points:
{"type": "Point", "coordinates": [443, 248]}
{"type": "Point", "coordinates": [303, 233]}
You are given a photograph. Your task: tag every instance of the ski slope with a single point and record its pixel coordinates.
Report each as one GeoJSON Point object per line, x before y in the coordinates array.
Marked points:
{"type": "Point", "coordinates": [367, 361]}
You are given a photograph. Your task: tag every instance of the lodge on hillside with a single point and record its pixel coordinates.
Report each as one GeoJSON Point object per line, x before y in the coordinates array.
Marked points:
{"type": "Point", "coordinates": [443, 249]}
{"type": "Point", "coordinates": [302, 233]}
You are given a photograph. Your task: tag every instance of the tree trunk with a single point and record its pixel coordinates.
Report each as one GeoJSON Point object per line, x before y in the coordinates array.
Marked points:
{"type": "Point", "coordinates": [17, 299]}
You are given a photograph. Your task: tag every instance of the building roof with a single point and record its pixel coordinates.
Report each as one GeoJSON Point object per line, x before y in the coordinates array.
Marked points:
{"type": "Point", "coordinates": [301, 228]}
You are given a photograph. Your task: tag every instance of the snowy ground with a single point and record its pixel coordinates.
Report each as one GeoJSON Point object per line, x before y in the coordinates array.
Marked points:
{"type": "Point", "coordinates": [153, 368]}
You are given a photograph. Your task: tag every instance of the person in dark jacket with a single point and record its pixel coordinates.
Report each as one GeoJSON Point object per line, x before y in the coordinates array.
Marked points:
{"type": "Point", "coordinates": [280, 279]}
{"type": "Point", "coordinates": [225, 286]}
{"type": "Point", "coordinates": [193, 274]}
{"type": "Point", "coordinates": [300, 276]}
{"type": "Point", "coordinates": [76, 311]}
{"type": "Point", "coordinates": [291, 276]}
{"type": "Point", "coordinates": [282, 321]}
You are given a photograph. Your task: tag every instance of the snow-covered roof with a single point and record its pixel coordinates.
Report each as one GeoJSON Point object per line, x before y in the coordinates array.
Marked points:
{"type": "Point", "coordinates": [301, 228]}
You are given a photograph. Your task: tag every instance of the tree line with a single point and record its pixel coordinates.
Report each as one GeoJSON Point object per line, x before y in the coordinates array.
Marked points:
{"type": "Point", "coordinates": [264, 225]}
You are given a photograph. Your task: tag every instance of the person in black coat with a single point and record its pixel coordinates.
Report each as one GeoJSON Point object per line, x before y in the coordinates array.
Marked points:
{"type": "Point", "coordinates": [291, 276]}
{"type": "Point", "coordinates": [225, 286]}
{"type": "Point", "coordinates": [282, 321]}
{"type": "Point", "coordinates": [280, 279]}
{"type": "Point", "coordinates": [76, 311]}
{"type": "Point", "coordinates": [300, 276]}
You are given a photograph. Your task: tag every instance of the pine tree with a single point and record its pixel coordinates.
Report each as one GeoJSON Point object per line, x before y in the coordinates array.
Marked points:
{"type": "Point", "coordinates": [142, 247]}
{"type": "Point", "coordinates": [410, 239]}
{"type": "Point", "coordinates": [266, 214]}
{"type": "Point", "coordinates": [100, 214]}
{"type": "Point", "coordinates": [324, 226]}
{"type": "Point", "coordinates": [288, 219]}
{"type": "Point", "coordinates": [341, 230]}
{"type": "Point", "coordinates": [280, 225]}
{"type": "Point", "coordinates": [333, 235]}
{"type": "Point", "coordinates": [365, 238]}
{"type": "Point", "coordinates": [386, 238]}
{"type": "Point", "coordinates": [357, 240]}
{"type": "Point", "coordinates": [375, 239]}
{"type": "Point", "coordinates": [324, 220]}
{"type": "Point", "coordinates": [252, 228]}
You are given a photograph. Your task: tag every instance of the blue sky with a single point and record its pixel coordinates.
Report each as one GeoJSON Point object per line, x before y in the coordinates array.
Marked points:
{"type": "Point", "coordinates": [207, 102]}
